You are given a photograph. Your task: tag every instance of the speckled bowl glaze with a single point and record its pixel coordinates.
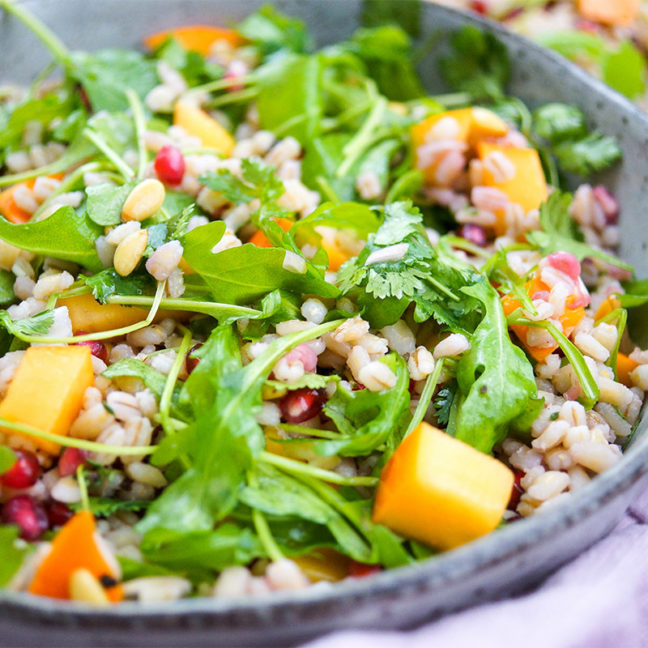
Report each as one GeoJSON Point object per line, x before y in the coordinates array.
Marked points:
{"type": "Point", "coordinates": [505, 562]}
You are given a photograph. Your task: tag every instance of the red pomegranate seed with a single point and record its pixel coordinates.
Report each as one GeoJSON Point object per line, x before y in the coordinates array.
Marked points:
{"type": "Point", "coordinates": [24, 473]}
{"type": "Point", "coordinates": [58, 513]}
{"type": "Point", "coordinates": [608, 203]}
{"type": "Point", "coordinates": [190, 362]}
{"type": "Point", "coordinates": [300, 405]}
{"type": "Point", "coordinates": [27, 514]}
{"type": "Point", "coordinates": [480, 7]}
{"type": "Point", "coordinates": [565, 262]}
{"type": "Point", "coordinates": [97, 349]}
{"type": "Point", "coordinates": [169, 165]}
{"type": "Point", "coordinates": [516, 491]}
{"type": "Point", "coordinates": [361, 570]}
{"type": "Point", "coordinates": [70, 460]}
{"type": "Point", "coordinates": [473, 233]}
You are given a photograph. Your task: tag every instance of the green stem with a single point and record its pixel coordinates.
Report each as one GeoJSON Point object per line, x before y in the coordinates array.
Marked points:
{"type": "Point", "coordinates": [234, 97]}
{"type": "Point", "coordinates": [222, 84]}
{"type": "Point", "coordinates": [298, 468]}
{"type": "Point", "coordinates": [139, 119]}
{"type": "Point", "coordinates": [327, 190]}
{"type": "Point", "coordinates": [463, 244]}
{"type": "Point", "coordinates": [71, 442]}
{"type": "Point", "coordinates": [101, 335]}
{"type": "Point", "coordinates": [409, 182]}
{"type": "Point", "coordinates": [308, 432]}
{"type": "Point", "coordinates": [426, 397]}
{"type": "Point", "coordinates": [53, 43]}
{"type": "Point", "coordinates": [99, 142]}
{"type": "Point", "coordinates": [169, 385]}
{"type": "Point", "coordinates": [83, 487]}
{"type": "Point", "coordinates": [263, 528]}
{"type": "Point", "coordinates": [68, 159]}
{"type": "Point", "coordinates": [36, 83]}
{"type": "Point", "coordinates": [359, 143]}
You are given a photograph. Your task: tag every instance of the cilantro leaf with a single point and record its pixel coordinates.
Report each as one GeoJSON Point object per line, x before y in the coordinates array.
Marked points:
{"type": "Point", "coordinates": [479, 64]}
{"type": "Point", "coordinates": [494, 376]}
{"type": "Point", "coordinates": [560, 232]}
{"type": "Point", "coordinates": [557, 121]}
{"type": "Point", "coordinates": [39, 324]}
{"type": "Point", "coordinates": [106, 506]}
{"type": "Point", "coordinates": [443, 403]}
{"type": "Point", "coordinates": [585, 156]}
{"type": "Point", "coordinates": [107, 283]}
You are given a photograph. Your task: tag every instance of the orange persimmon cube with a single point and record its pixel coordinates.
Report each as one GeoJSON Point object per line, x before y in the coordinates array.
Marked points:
{"type": "Point", "coordinates": [198, 38]}
{"type": "Point", "coordinates": [75, 547]}
{"type": "Point", "coordinates": [625, 365]}
{"type": "Point", "coordinates": [528, 186]}
{"type": "Point", "coordinates": [198, 123]}
{"type": "Point", "coordinates": [47, 391]}
{"type": "Point", "coordinates": [89, 316]}
{"type": "Point", "coordinates": [609, 304]}
{"type": "Point", "coordinates": [8, 206]}
{"type": "Point", "coordinates": [485, 123]}
{"type": "Point", "coordinates": [441, 491]}
{"type": "Point", "coordinates": [620, 13]}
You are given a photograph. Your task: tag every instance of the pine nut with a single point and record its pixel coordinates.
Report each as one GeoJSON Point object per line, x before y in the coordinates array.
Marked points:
{"type": "Point", "coordinates": [144, 200]}
{"type": "Point", "coordinates": [129, 252]}
{"type": "Point", "coordinates": [85, 587]}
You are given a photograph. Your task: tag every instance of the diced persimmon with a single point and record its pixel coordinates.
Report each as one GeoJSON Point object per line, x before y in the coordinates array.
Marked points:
{"type": "Point", "coordinates": [569, 320]}
{"type": "Point", "coordinates": [339, 245]}
{"type": "Point", "coordinates": [485, 123]}
{"type": "Point", "coordinates": [609, 304]}
{"type": "Point", "coordinates": [527, 188]}
{"type": "Point", "coordinates": [75, 547]}
{"type": "Point", "coordinates": [198, 123]}
{"type": "Point", "coordinates": [462, 116]}
{"type": "Point", "coordinates": [47, 391]}
{"type": "Point", "coordinates": [323, 565]}
{"type": "Point", "coordinates": [625, 365]}
{"type": "Point", "coordinates": [620, 13]}
{"type": "Point", "coordinates": [198, 38]}
{"type": "Point", "coordinates": [441, 491]}
{"type": "Point", "coordinates": [259, 238]}
{"type": "Point", "coordinates": [8, 207]}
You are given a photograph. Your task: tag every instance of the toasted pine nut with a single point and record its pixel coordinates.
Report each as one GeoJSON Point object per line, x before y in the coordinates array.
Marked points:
{"type": "Point", "coordinates": [85, 587]}
{"type": "Point", "coordinates": [144, 200]}
{"type": "Point", "coordinates": [129, 252]}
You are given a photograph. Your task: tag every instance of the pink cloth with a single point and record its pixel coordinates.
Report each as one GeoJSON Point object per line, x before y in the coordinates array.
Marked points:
{"type": "Point", "coordinates": [599, 600]}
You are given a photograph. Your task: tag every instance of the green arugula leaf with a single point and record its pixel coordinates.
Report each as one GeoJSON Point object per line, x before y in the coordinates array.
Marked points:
{"type": "Point", "coordinates": [407, 14]}
{"type": "Point", "coordinates": [106, 75]}
{"type": "Point", "coordinates": [624, 69]}
{"type": "Point", "coordinates": [270, 31]}
{"type": "Point", "coordinates": [560, 232]}
{"type": "Point", "coordinates": [193, 66]}
{"type": "Point", "coordinates": [345, 216]}
{"type": "Point", "coordinates": [369, 419]}
{"type": "Point", "coordinates": [7, 459]}
{"type": "Point", "coordinates": [479, 64]}
{"type": "Point", "coordinates": [133, 368]}
{"type": "Point", "coordinates": [494, 376]}
{"type": "Point", "coordinates": [574, 44]}
{"type": "Point", "coordinates": [64, 235]}
{"type": "Point", "coordinates": [105, 202]}
{"type": "Point", "coordinates": [7, 295]}
{"type": "Point", "coordinates": [13, 553]}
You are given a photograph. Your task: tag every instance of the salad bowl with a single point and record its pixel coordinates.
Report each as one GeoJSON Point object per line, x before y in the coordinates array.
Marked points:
{"type": "Point", "coordinates": [503, 563]}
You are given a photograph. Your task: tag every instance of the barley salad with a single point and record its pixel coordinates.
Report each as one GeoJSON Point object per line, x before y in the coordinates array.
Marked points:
{"type": "Point", "coordinates": [275, 317]}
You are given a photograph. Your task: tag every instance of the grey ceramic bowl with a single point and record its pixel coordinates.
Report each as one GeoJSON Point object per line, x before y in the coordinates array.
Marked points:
{"type": "Point", "coordinates": [505, 562]}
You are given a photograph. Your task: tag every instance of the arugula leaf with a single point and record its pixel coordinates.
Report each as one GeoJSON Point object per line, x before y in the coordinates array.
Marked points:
{"type": "Point", "coordinates": [135, 569]}
{"type": "Point", "coordinates": [557, 121]}
{"type": "Point", "coordinates": [289, 102]}
{"type": "Point", "coordinates": [407, 14]}
{"type": "Point", "coordinates": [574, 43]}
{"type": "Point", "coordinates": [270, 31]}
{"type": "Point", "coordinates": [368, 419]}
{"type": "Point", "coordinates": [193, 66]}
{"type": "Point", "coordinates": [133, 368]}
{"type": "Point", "coordinates": [106, 506]}
{"type": "Point", "coordinates": [243, 274]}
{"type": "Point", "coordinates": [479, 64]}
{"type": "Point", "coordinates": [588, 155]}
{"type": "Point", "coordinates": [560, 232]}
{"type": "Point", "coordinates": [106, 75]}
{"type": "Point", "coordinates": [64, 235]}
{"type": "Point", "coordinates": [13, 552]}
{"type": "Point", "coordinates": [105, 202]}
{"type": "Point", "coordinates": [347, 215]}
{"type": "Point", "coordinates": [7, 295]}
{"type": "Point", "coordinates": [197, 552]}
{"type": "Point", "coordinates": [494, 376]}
{"type": "Point", "coordinates": [624, 69]}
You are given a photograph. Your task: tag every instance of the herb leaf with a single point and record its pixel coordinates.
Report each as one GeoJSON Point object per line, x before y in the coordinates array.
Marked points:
{"type": "Point", "coordinates": [105, 202]}
{"type": "Point", "coordinates": [12, 553]}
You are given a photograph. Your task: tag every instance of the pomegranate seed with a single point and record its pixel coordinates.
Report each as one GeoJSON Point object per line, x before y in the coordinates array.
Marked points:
{"type": "Point", "coordinates": [608, 203]}
{"type": "Point", "coordinates": [58, 513]}
{"type": "Point", "coordinates": [169, 165]}
{"type": "Point", "coordinates": [514, 13]}
{"type": "Point", "coordinates": [24, 473]}
{"type": "Point", "coordinates": [588, 26]}
{"type": "Point", "coordinates": [480, 7]}
{"type": "Point", "coordinates": [361, 570]}
{"type": "Point", "coordinates": [27, 514]}
{"type": "Point", "coordinates": [565, 262]}
{"type": "Point", "coordinates": [70, 460]}
{"type": "Point", "coordinates": [473, 233]}
{"type": "Point", "coordinates": [97, 349]}
{"type": "Point", "coordinates": [516, 491]}
{"type": "Point", "coordinates": [190, 362]}
{"type": "Point", "coordinates": [300, 405]}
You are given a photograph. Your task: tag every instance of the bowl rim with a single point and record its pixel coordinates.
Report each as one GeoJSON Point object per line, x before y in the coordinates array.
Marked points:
{"type": "Point", "coordinates": [443, 569]}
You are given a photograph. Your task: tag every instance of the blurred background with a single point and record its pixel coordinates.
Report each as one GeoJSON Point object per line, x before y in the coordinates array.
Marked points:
{"type": "Point", "coordinates": [609, 38]}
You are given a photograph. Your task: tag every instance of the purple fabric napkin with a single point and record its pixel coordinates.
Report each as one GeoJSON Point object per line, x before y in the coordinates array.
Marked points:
{"type": "Point", "coordinates": [598, 600]}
